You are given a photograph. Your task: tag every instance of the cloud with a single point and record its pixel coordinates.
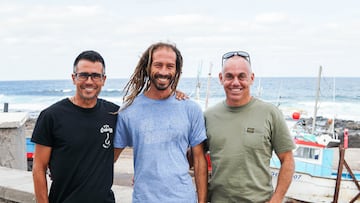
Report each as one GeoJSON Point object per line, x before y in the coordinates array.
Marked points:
{"type": "Point", "coordinates": [278, 35]}
{"type": "Point", "coordinates": [271, 18]}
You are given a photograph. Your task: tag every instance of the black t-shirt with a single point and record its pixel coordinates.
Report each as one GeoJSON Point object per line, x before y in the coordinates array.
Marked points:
{"type": "Point", "coordinates": [82, 156]}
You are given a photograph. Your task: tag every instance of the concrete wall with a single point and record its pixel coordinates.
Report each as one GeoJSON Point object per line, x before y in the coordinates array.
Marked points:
{"type": "Point", "coordinates": [17, 186]}
{"type": "Point", "coordinates": [12, 140]}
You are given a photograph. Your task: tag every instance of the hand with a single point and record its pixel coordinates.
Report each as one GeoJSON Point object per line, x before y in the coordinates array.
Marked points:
{"type": "Point", "coordinates": [180, 95]}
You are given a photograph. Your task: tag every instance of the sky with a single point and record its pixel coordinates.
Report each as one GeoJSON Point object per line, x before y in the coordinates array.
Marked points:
{"type": "Point", "coordinates": [39, 40]}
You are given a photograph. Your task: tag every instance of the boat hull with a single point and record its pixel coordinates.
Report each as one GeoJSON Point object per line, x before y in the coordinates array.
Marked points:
{"type": "Point", "coordinates": [305, 187]}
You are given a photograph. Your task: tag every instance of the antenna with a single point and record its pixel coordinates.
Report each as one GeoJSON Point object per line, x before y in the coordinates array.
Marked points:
{"type": "Point", "coordinates": [316, 100]}
{"type": "Point", "coordinates": [208, 86]}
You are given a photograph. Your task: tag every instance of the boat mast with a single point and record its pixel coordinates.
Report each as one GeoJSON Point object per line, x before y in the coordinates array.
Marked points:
{"type": "Point", "coordinates": [208, 86]}
{"type": "Point", "coordinates": [334, 135]}
{"type": "Point", "coordinates": [198, 84]}
{"type": "Point", "coordinates": [259, 89]}
{"type": "Point", "coordinates": [316, 101]}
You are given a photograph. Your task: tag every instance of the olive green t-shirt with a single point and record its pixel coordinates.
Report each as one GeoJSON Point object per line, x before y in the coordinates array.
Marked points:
{"type": "Point", "coordinates": [241, 141]}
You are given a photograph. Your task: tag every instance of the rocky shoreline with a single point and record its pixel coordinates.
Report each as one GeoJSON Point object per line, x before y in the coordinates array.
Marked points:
{"type": "Point", "coordinates": [326, 125]}
{"type": "Point", "coordinates": [29, 126]}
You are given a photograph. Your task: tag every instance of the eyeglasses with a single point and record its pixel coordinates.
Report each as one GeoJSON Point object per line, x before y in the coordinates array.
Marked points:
{"type": "Point", "coordinates": [228, 55]}
{"type": "Point", "coordinates": [96, 77]}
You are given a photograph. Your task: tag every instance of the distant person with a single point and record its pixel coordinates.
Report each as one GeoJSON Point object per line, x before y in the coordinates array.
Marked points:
{"type": "Point", "coordinates": [242, 134]}
{"type": "Point", "coordinates": [160, 129]}
{"type": "Point", "coordinates": [74, 140]}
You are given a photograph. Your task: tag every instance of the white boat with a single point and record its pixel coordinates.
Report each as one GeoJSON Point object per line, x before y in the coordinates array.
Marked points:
{"type": "Point", "coordinates": [314, 179]}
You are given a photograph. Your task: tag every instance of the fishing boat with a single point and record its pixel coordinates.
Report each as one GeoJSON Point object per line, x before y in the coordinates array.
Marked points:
{"type": "Point", "coordinates": [316, 179]}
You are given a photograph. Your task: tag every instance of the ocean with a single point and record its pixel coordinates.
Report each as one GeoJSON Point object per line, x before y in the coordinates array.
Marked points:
{"type": "Point", "coordinates": [338, 97]}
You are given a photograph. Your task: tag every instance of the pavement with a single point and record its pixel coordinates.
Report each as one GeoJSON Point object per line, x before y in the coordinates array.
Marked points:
{"type": "Point", "coordinates": [17, 185]}
{"type": "Point", "coordinates": [123, 175]}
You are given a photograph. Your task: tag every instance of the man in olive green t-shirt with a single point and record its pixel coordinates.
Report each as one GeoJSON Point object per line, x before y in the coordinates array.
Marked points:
{"type": "Point", "coordinates": [242, 134]}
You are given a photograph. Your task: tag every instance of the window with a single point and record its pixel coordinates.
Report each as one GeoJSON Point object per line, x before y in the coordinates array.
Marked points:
{"type": "Point", "coordinates": [307, 153]}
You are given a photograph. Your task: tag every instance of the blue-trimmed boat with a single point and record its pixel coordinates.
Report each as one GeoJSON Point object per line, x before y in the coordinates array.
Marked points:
{"type": "Point", "coordinates": [315, 179]}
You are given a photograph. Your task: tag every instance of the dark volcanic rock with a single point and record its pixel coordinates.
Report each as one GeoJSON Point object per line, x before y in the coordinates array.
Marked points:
{"type": "Point", "coordinates": [340, 125]}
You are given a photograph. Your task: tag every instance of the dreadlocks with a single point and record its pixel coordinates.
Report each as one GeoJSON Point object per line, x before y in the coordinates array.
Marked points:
{"type": "Point", "coordinates": [140, 79]}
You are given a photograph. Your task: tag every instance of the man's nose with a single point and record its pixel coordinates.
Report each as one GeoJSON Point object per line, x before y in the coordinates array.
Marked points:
{"type": "Point", "coordinates": [163, 70]}
{"type": "Point", "coordinates": [236, 81]}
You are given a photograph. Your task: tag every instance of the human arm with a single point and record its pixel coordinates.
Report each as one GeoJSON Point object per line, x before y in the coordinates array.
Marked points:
{"type": "Point", "coordinates": [200, 171]}
{"type": "Point", "coordinates": [285, 176]}
{"type": "Point", "coordinates": [117, 152]}
{"type": "Point", "coordinates": [41, 161]}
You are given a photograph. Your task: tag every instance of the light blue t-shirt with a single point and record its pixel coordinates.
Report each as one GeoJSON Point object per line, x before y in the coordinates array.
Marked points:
{"type": "Point", "coordinates": [160, 131]}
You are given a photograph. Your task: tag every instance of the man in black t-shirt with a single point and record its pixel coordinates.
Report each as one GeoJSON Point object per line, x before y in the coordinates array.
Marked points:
{"type": "Point", "coordinates": [74, 140]}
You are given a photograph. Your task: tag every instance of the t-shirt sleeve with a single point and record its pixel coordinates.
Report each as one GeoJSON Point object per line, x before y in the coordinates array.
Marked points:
{"type": "Point", "coordinates": [42, 133]}
{"type": "Point", "coordinates": [282, 140]}
{"type": "Point", "coordinates": [122, 137]}
{"type": "Point", "coordinates": [197, 132]}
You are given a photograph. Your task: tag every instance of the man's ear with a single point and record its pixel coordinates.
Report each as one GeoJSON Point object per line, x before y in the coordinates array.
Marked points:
{"type": "Point", "coordinates": [73, 77]}
{"type": "Point", "coordinates": [104, 79]}
{"type": "Point", "coordinates": [221, 78]}
{"type": "Point", "coordinates": [252, 78]}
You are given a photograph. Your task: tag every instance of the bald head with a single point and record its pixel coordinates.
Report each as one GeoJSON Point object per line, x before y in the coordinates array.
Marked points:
{"type": "Point", "coordinates": [237, 61]}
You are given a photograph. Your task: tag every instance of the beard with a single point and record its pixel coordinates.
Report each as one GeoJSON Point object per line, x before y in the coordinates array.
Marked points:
{"type": "Point", "coordinates": [159, 81]}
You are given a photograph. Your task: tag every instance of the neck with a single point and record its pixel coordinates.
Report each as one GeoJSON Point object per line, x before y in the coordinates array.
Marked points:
{"type": "Point", "coordinates": [158, 94]}
{"type": "Point", "coordinates": [238, 103]}
{"type": "Point", "coordinates": [83, 103]}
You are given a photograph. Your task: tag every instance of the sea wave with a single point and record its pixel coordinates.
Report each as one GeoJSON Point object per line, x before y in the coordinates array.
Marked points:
{"type": "Point", "coordinates": [289, 94]}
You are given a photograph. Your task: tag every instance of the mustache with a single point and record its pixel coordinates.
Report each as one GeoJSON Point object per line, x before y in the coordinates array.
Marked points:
{"type": "Point", "coordinates": [88, 86]}
{"type": "Point", "coordinates": [168, 76]}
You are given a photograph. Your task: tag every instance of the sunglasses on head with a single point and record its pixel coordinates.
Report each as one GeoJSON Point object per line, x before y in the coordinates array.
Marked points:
{"type": "Point", "coordinates": [228, 55]}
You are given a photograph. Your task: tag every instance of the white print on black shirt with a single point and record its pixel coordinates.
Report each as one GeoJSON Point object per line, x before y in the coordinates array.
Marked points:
{"type": "Point", "coordinates": [106, 129]}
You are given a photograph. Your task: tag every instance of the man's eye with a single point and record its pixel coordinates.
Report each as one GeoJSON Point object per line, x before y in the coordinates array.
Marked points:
{"type": "Point", "coordinates": [83, 75]}
{"type": "Point", "coordinates": [242, 76]}
{"type": "Point", "coordinates": [96, 76]}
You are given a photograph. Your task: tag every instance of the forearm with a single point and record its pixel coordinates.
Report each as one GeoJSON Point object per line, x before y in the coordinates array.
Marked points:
{"type": "Point", "coordinates": [201, 179]}
{"type": "Point", "coordinates": [41, 161]}
{"type": "Point", "coordinates": [40, 185]}
{"type": "Point", "coordinates": [284, 180]}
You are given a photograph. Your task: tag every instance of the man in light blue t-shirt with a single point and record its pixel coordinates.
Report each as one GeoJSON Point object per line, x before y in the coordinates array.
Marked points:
{"type": "Point", "coordinates": [160, 129]}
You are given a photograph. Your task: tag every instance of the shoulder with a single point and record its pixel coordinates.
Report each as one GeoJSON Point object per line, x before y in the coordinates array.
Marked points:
{"type": "Point", "coordinates": [54, 110]}
{"type": "Point", "coordinates": [57, 105]}
{"type": "Point", "coordinates": [269, 109]}
{"type": "Point", "coordinates": [110, 105]}
{"type": "Point", "coordinates": [134, 108]}
{"type": "Point", "coordinates": [191, 104]}
{"type": "Point", "coordinates": [106, 102]}
{"type": "Point", "coordinates": [265, 105]}
{"type": "Point", "coordinates": [217, 107]}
